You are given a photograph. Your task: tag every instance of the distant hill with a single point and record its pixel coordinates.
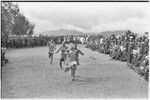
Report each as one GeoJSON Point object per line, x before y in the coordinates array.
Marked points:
{"type": "Point", "coordinates": [116, 32]}
{"type": "Point", "coordinates": [65, 32]}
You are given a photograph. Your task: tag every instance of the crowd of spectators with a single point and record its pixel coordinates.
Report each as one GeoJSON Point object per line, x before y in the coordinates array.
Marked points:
{"type": "Point", "coordinates": [128, 47]}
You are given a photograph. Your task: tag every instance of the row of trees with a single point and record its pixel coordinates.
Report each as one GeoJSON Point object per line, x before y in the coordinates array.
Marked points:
{"type": "Point", "coordinates": [13, 22]}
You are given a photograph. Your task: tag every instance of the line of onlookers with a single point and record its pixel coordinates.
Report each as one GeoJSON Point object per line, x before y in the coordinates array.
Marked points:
{"type": "Point", "coordinates": [128, 47]}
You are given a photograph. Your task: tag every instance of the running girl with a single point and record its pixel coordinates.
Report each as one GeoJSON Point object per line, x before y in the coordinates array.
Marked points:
{"type": "Point", "coordinates": [71, 60]}
{"type": "Point", "coordinates": [77, 54]}
{"type": "Point", "coordinates": [52, 47]}
{"type": "Point", "coordinates": [63, 49]}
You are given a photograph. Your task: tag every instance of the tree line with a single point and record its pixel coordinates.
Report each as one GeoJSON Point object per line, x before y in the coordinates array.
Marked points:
{"type": "Point", "coordinates": [13, 22]}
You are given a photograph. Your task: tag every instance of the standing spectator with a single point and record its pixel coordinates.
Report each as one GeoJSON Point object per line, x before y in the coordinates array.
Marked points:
{"type": "Point", "coordinates": [130, 49]}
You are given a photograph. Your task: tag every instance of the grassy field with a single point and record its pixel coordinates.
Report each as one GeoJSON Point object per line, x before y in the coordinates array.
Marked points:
{"type": "Point", "coordinates": [29, 74]}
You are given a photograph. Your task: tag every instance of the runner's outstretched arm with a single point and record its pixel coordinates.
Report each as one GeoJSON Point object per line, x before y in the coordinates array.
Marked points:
{"type": "Point", "coordinates": [55, 48]}
{"type": "Point", "coordinates": [80, 52]}
{"type": "Point", "coordinates": [58, 50]}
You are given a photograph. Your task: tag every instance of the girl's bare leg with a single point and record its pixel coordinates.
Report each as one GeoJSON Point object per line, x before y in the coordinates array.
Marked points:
{"type": "Point", "coordinates": [60, 63]}
{"type": "Point", "coordinates": [51, 59]}
{"type": "Point", "coordinates": [73, 72]}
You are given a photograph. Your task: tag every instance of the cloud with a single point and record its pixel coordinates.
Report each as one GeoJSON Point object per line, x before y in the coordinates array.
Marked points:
{"type": "Point", "coordinates": [91, 17]}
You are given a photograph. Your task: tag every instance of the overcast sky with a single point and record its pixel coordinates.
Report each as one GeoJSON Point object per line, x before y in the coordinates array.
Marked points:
{"type": "Point", "coordinates": [87, 16]}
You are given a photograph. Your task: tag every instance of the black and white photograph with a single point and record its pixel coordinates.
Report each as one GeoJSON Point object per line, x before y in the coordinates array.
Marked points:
{"type": "Point", "coordinates": [74, 50]}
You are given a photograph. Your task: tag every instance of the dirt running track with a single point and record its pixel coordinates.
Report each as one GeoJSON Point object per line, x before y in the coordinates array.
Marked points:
{"type": "Point", "coordinates": [30, 75]}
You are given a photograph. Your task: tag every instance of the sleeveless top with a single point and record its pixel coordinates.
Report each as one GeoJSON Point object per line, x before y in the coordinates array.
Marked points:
{"type": "Point", "coordinates": [51, 48]}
